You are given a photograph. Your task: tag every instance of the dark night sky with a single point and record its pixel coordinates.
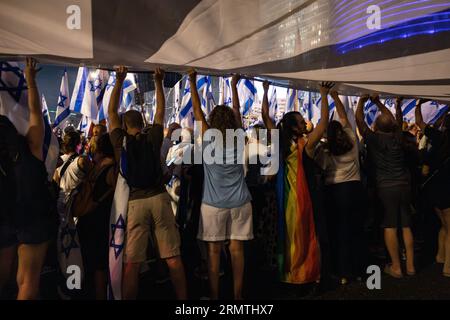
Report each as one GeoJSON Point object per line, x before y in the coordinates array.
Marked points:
{"type": "Point", "coordinates": [49, 80]}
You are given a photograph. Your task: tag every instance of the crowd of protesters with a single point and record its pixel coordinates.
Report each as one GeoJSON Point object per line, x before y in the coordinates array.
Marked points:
{"type": "Point", "coordinates": [306, 222]}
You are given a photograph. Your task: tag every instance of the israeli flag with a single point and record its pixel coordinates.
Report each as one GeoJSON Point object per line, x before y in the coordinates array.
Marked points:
{"type": "Point", "coordinates": [51, 145]}
{"type": "Point", "coordinates": [127, 95]}
{"type": "Point", "coordinates": [225, 89]}
{"type": "Point", "coordinates": [79, 89]}
{"type": "Point", "coordinates": [273, 104]}
{"type": "Point", "coordinates": [186, 114]}
{"type": "Point", "coordinates": [118, 220]}
{"type": "Point", "coordinates": [371, 112]}
{"type": "Point", "coordinates": [93, 94]}
{"type": "Point", "coordinates": [291, 96]}
{"type": "Point", "coordinates": [14, 96]}
{"type": "Point", "coordinates": [129, 85]}
{"type": "Point", "coordinates": [63, 107]}
{"type": "Point", "coordinates": [85, 125]}
{"type": "Point", "coordinates": [14, 105]}
{"type": "Point", "coordinates": [305, 103]}
{"type": "Point", "coordinates": [208, 102]}
{"type": "Point", "coordinates": [247, 95]}
{"type": "Point", "coordinates": [176, 101]}
{"type": "Point", "coordinates": [432, 111]}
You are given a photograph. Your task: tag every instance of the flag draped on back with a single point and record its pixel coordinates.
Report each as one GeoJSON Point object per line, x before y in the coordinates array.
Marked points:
{"type": "Point", "coordinates": [118, 220]}
{"type": "Point", "coordinates": [63, 107]}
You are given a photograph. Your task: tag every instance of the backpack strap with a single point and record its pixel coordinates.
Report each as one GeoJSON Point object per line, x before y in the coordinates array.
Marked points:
{"type": "Point", "coordinates": [67, 164]}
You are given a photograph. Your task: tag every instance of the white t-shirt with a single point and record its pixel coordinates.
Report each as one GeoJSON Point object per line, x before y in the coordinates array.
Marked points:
{"type": "Point", "coordinates": [341, 168]}
{"type": "Point", "coordinates": [71, 179]}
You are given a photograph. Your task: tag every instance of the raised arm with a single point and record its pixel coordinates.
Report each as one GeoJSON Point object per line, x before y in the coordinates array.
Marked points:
{"type": "Point", "coordinates": [196, 104]}
{"type": "Point", "coordinates": [160, 100]}
{"type": "Point", "coordinates": [114, 102]}
{"type": "Point", "coordinates": [376, 99]}
{"type": "Point", "coordinates": [268, 122]}
{"type": "Point", "coordinates": [340, 108]}
{"type": "Point", "coordinates": [359, 115]}
{"type": "Point", "coordinates": [315, 136]}
{"type": "Point", "coordinates": [418, 113]}
{"type": "Point", "coordinates": [35, 134]}
{"type": "Point", "coordinates": [399, 112]}
{"type": "Point", "coordinates": [236, 103]}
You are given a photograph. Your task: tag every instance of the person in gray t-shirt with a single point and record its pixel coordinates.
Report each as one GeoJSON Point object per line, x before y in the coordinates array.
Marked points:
{"type": "Point", "coordinates": [386, 156]}
{"type": "Point", "coordinates": [226, 211]}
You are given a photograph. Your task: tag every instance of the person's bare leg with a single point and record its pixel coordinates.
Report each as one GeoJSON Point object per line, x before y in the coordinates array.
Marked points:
{"type": "Point", "coordinates": [31, 260]}
{"type": "Point", "coordinates": [237, 261]}
{"type": "Point", "coordinates": [101, 280]}
{"type": "Point", "coordinates": [214, 250]}
{"type": "Point", "coordinates": [440, 256]}
{"type": "Point", "coordinates": [408, 239]}
{"type": "Point", "coordinates": [178, 277]}
{"type": "Point", "coordinates": [390, 238]}
{"type": "Point", "coordinates": [130, 281]}
{"type": "Point", "coordinates": [446, 218]}
{"type": "Point", "coordinates": [7, 256]}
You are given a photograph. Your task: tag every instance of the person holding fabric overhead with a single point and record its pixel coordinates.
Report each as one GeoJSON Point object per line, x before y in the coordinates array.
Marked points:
{"type": "Point", "coordinates": [298, 240]}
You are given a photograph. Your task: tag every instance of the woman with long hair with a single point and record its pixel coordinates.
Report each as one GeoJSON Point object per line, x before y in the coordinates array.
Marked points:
{"type": "Point", "coordinates": [340, 161]}
{"type": "Point", "coordinates": [226, 211]}
{"type": "Point", "coordinates": [298, 240]}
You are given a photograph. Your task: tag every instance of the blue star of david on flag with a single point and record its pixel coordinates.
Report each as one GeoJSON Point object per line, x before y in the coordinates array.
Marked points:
{"type": "Point", "coordinates": [62, 100]}
{"type": "Point", "coordinates": [119, 226]}
{"type": "Point", "coordinates": [15, 92]}
{"type": "Point", "coordinates": [68, 241]}
{"type": "Point", "coordinates": [95, 84]}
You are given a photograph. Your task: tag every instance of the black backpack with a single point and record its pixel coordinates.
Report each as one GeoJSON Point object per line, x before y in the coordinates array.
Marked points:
{"type": "Point", "coordinates": [143, 165]}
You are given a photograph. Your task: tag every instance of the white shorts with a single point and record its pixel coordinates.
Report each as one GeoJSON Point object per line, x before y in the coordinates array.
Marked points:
{"type": "Point", "coordinates": [219, 224]}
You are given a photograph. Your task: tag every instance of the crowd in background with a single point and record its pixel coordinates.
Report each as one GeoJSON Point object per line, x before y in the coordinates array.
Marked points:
{"type": "Point", "coordinates": [314, 221]}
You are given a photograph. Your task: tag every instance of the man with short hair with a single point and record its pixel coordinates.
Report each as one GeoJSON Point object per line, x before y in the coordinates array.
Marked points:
{"type": "Point", "coordinates": [386, 153]}
{"type": "Point", "coordinates": [149, 204]}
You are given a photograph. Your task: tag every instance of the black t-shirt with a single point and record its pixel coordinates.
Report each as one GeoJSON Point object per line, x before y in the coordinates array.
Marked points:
{"type": "Point", "coordinates": [387, 158]}
{"type": "Point", "coordinates": [154, 136]}
{"type": "Point", "coordinates": [439, 151]}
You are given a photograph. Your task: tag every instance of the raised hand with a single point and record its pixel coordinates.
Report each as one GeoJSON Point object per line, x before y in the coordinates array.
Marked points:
{"type": "Point", "coordinates": [325, 87]}
{"type": "Point", "coordinates": [159, 74]}
{"type": "Point", "coordinates": [235, 79]}
{"type": "Point", "coordinates": [30, 69]}
{"type": "Point", "coordinates": [121, 73]}
{"type": "Point", "coordinates": [334, 94]}
{"type": "Point", "coordinates": [374, 97]}
{"type": "Point", "coordinates": [192, 73]}
{"type": "Point", "coordinates": [364, 98]}
{"type": "Point", "coordinates": [422, 101]}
